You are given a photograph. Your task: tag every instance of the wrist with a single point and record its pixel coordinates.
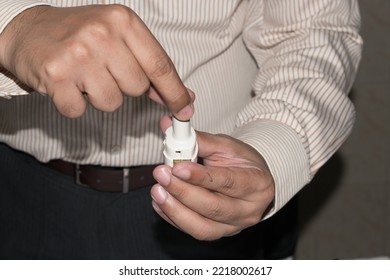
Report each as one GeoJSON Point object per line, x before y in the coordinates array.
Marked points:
{"type": "Point", "coordinates": [11, 35]}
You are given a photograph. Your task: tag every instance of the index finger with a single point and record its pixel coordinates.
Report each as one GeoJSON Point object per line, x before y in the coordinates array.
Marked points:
{"type": "Point", "coordinates": [160, 70]}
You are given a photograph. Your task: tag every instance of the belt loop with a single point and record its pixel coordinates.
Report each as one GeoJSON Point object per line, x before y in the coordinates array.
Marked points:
{"type": "Point", "coordinates": [77, 173]}
{"type": "Point", "coordinates": [126, 173]}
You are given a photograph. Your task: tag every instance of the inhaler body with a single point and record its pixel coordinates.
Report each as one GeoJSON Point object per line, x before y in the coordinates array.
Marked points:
{"type": "Point", "coordinates": [180, 143]}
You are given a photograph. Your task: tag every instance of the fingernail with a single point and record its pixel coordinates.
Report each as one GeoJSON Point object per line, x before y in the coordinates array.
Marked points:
{"type": "Point", "coordinates": [186, 113]}
{"type": "Point", "coordinates": [163, 177]}
{"type": "Point", "coordinates": [192, 94]}
{"type": "Point", "coordinates": [159, 195]}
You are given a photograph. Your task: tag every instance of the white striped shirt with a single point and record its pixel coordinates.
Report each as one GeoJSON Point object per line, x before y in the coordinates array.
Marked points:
{"type": "Point", "coordinates": [274, 74]}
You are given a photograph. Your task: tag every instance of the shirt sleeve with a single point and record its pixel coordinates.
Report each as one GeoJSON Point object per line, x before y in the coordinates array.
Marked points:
{"type": "Point", "coordinates": [307, 54]}
{"type": "Point", "coordinates": [9, 9]}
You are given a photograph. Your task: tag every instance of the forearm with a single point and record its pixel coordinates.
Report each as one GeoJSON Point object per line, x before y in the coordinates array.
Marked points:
{"type": "Point", "coordinates": [307, 63]}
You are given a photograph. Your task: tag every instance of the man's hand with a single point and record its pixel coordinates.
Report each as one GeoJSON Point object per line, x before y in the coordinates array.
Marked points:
{"type": "Point", "coordinates": [230, 192]}
{"type": "Point", "coordinates": [91, 54]}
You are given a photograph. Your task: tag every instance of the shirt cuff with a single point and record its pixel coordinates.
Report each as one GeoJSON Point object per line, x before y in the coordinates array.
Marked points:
{"type": "Point", "coordinates": [10, 86]}
{"type": "Point", "coordinates": [283, 152]}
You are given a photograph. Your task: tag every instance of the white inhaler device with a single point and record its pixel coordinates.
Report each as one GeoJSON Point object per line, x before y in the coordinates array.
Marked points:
{"type": "Point", "coordinates": [180, 143]}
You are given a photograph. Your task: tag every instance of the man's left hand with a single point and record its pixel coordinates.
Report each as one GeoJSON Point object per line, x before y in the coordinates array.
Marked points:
{"type": "Point", "coordinates": [231, 191]}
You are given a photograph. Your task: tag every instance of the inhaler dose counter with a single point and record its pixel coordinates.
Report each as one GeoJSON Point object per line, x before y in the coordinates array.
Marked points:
{"type": "Point", "coordinates": [180, 143]}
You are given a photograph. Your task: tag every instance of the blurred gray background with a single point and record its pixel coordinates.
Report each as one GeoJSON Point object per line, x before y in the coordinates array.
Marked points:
{"type": "Point", "coordinates": [345, 211]}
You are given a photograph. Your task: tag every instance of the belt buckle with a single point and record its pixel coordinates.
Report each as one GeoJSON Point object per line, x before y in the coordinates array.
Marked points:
{"type": "Point", "coordinates": [125, 181]}
{"type": "Point", "coordinates": [77, 175]}
{"type": "Point", "coordinates": [125, 178]}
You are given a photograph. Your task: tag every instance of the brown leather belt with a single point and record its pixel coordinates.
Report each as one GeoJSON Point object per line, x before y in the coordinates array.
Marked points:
{"type": "Point", "coordinates": [107, 179]}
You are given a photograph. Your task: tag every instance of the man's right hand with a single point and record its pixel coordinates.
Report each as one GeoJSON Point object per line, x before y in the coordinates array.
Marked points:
{"type": "Point", "coordinates": [91, 53]}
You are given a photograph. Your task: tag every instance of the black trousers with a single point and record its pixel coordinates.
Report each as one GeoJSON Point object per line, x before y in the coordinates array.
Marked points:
{"type": "Point", "coordinates": [45, 215]}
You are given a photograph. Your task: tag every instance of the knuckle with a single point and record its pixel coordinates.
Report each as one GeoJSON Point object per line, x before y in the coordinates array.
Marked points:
{"type": "Point", "coordinates": [95, 31]}
{"type": "Point", "coordinates": [143, 84]}
{"type": "Point", "coordinates": [253, 216]}
{"type": "Point", "coordinates": [71, 110]}
{"type": "Point", "coordinates": [252, 219]}
{"type": "Point", "coordinates": [161, 66]}
{"type": "Point", "coordinates": [40, 86]}
{"type": "Point", "coordinates": [140, 87]}
{"type": "Point", "coordinates": [79, 50]}
{"type": "Point", "coordinates": [120, 13]}
{"type": "Point", "coordinates": [214, 210]}
{"type": "Point", "coordinates": [203, 234]}
{"type": "Point", "coordinates": [112, 100]}
{"type": "Point", "coordinates": [52, 69]}
{"type": "Point", "coordinates": [179, 192]}
{"type": "Point", "coordinates": [228, 181]}
{"type": "Point", "coordinates": [122, 16]}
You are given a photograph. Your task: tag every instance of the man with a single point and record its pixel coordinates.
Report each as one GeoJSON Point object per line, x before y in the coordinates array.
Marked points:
{"type": "Point", "coordinates": [271, 80]}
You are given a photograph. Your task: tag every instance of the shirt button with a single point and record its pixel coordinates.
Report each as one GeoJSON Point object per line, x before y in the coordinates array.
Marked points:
{"type": "Point", "coordinates": [115, 150]}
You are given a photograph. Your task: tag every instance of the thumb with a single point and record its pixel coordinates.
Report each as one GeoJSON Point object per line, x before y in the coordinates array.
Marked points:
{"type": "Point", "coordinates": [209, 144]}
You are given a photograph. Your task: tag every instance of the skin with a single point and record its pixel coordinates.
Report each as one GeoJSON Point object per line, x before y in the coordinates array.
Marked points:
{"type": "Point", "coordinates": [92, 54]}
{"type": "Point", "coordinates": [98, 54]}
{"type": "Point", "coordinates": [231, 191]}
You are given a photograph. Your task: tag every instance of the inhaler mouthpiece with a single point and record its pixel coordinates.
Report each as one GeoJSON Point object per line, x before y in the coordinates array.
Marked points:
{"type": "Point", "coordinates": [180, 143]}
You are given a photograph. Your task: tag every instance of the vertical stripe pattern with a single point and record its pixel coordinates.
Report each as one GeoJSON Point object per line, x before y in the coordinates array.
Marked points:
{"type": "Point", "coordinates": [272, 73]}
